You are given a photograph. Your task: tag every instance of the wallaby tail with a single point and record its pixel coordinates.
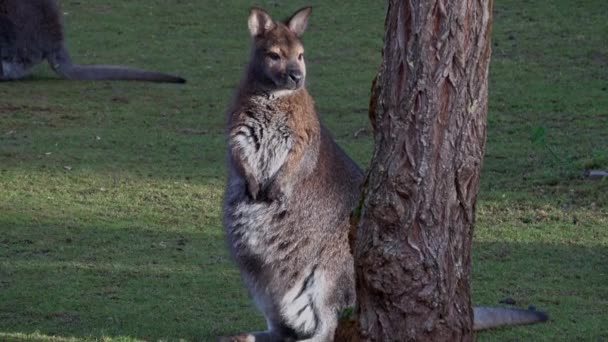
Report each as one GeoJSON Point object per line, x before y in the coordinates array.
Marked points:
{"type": "Point", "coordinates": [112, 72]}
{"type": "Point", "coordinates": [487, 317]}
{"type": "Point", "coordinates": [62, 64]}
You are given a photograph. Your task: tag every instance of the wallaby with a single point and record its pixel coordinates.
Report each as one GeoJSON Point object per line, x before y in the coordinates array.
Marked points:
{"type": "Point", "coordinates": [289, 195]}
{"type": "Point", "coordinates": [31, 31]}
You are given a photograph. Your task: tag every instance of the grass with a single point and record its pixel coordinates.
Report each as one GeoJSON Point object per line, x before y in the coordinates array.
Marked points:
{"type": "Point", "coordinates": [110, 193]}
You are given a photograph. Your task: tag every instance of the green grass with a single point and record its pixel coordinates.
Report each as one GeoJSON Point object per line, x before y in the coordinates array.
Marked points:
{"type": "Point", "coordinates": [110, 193]}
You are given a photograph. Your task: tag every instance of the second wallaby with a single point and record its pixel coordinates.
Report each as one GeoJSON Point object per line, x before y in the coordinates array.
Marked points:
{"type": "Point", "coordinates": [31, 31]}
{"type": "Point", "coordinates": [289, 194]}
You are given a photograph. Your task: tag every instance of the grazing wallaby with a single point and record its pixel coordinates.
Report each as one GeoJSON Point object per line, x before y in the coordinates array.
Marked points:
{"type": "Point", "coordinates": [31, 31]}
{"type": "Point", "coordinates": [289, 195]}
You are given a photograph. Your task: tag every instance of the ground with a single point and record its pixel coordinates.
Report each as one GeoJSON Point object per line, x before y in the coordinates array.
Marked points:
{"type": "Point", "coordinates": [110, 192]}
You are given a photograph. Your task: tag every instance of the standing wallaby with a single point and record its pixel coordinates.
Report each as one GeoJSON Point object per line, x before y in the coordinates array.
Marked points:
{"type": "Point", "coordinates": [289, 195]}
{"type": "Point", "coordinates": [31, 31]}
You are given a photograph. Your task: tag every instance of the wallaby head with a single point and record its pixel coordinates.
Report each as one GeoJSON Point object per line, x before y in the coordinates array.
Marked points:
{"type": "Point", "coordinates": [277, 59]}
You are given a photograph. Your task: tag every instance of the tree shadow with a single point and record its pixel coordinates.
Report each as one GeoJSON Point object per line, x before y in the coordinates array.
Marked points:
{"type": "Point", "coordinates": [567, 281]}
{"type": "Point", "coordinates": [85, 281]}
{"type": "Point", "coordinates": [94, 282]}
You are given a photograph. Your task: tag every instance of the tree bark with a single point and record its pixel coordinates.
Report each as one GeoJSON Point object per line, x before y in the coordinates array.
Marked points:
{"type": "Point", "coordinates": [428, 109]}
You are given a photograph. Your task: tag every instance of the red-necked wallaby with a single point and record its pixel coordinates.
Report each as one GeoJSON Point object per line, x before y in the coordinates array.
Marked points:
{"type": "Point", "coordinates": [289, 195]}
{"type": "Point", "coordinates": [31, 31]}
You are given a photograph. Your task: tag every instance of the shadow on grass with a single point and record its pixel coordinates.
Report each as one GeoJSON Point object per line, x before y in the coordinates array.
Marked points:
{"type": "Point", "coordinates": [95, 282]}
{"type": "Point", "coordinates": [566, 281]}
{"type": "Point", "coordinates": [129, 283]}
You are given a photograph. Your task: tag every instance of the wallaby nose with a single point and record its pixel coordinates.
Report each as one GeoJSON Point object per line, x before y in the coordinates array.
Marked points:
{"type": "Point", "coordinates": [295, 75]}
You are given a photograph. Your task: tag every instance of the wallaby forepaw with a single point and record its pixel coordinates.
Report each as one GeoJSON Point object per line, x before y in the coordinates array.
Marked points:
{"type": "Point", "coordinates": [253, 189]}
{"type": "Point", "coordinates": [272, 193]}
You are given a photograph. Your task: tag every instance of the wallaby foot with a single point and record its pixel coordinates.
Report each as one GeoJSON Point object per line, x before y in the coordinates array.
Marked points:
{"type": "Point", "coordinates": [12, 71]}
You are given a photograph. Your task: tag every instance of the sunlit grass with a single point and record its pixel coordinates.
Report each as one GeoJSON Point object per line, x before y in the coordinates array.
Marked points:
{"type": "Point", "coordinates": [110, 192]}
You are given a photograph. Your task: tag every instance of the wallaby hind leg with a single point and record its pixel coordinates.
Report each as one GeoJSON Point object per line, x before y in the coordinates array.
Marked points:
{"type": "Point", "coordinates": [9, 70]}
{"type": "Point", "coordinates": [12, 71]}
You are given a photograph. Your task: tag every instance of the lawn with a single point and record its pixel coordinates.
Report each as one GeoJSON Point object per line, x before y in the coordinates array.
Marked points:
{"type": "Point", "coordinates": [110, 192]}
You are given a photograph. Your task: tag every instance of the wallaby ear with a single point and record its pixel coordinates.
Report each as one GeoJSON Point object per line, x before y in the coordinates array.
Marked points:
{"type": "Point", "coordinates": [298, 21]}
{"type": "Point", "coordinates": [259, 21]}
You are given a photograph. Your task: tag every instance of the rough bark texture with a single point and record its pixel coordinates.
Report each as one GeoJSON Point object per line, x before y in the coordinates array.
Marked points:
{"type": "Point", "coordinates": [428, 110]}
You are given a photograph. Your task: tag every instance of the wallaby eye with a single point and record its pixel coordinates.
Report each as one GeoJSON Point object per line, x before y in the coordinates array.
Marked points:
{"type": "Point", "coordinates": [274, 56]}
{"type": "Point", "coordinates": [300, 56]}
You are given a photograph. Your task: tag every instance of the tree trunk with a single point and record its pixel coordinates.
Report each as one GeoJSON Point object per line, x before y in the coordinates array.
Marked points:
{"type": "Point", "coordinates": [428, 109]}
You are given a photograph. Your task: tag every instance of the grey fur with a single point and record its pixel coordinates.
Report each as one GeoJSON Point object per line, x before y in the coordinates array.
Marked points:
{"type": "Point", "coordinates": [293, 252]}
{"type": "Point", "coordinates": [488, 317]}
{"type": "Point", "coordinates": [289, 195]}
{"type": "Point", "coordinates": [31, 31]}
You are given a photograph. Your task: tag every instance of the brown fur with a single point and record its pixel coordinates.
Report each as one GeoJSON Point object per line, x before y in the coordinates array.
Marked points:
{"type": "Point", "coordinates": [305, 129]}
{"type": "Point", "coordinates": [305, 125]}
{"type": "Point", "coordinates": [302, 119]}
